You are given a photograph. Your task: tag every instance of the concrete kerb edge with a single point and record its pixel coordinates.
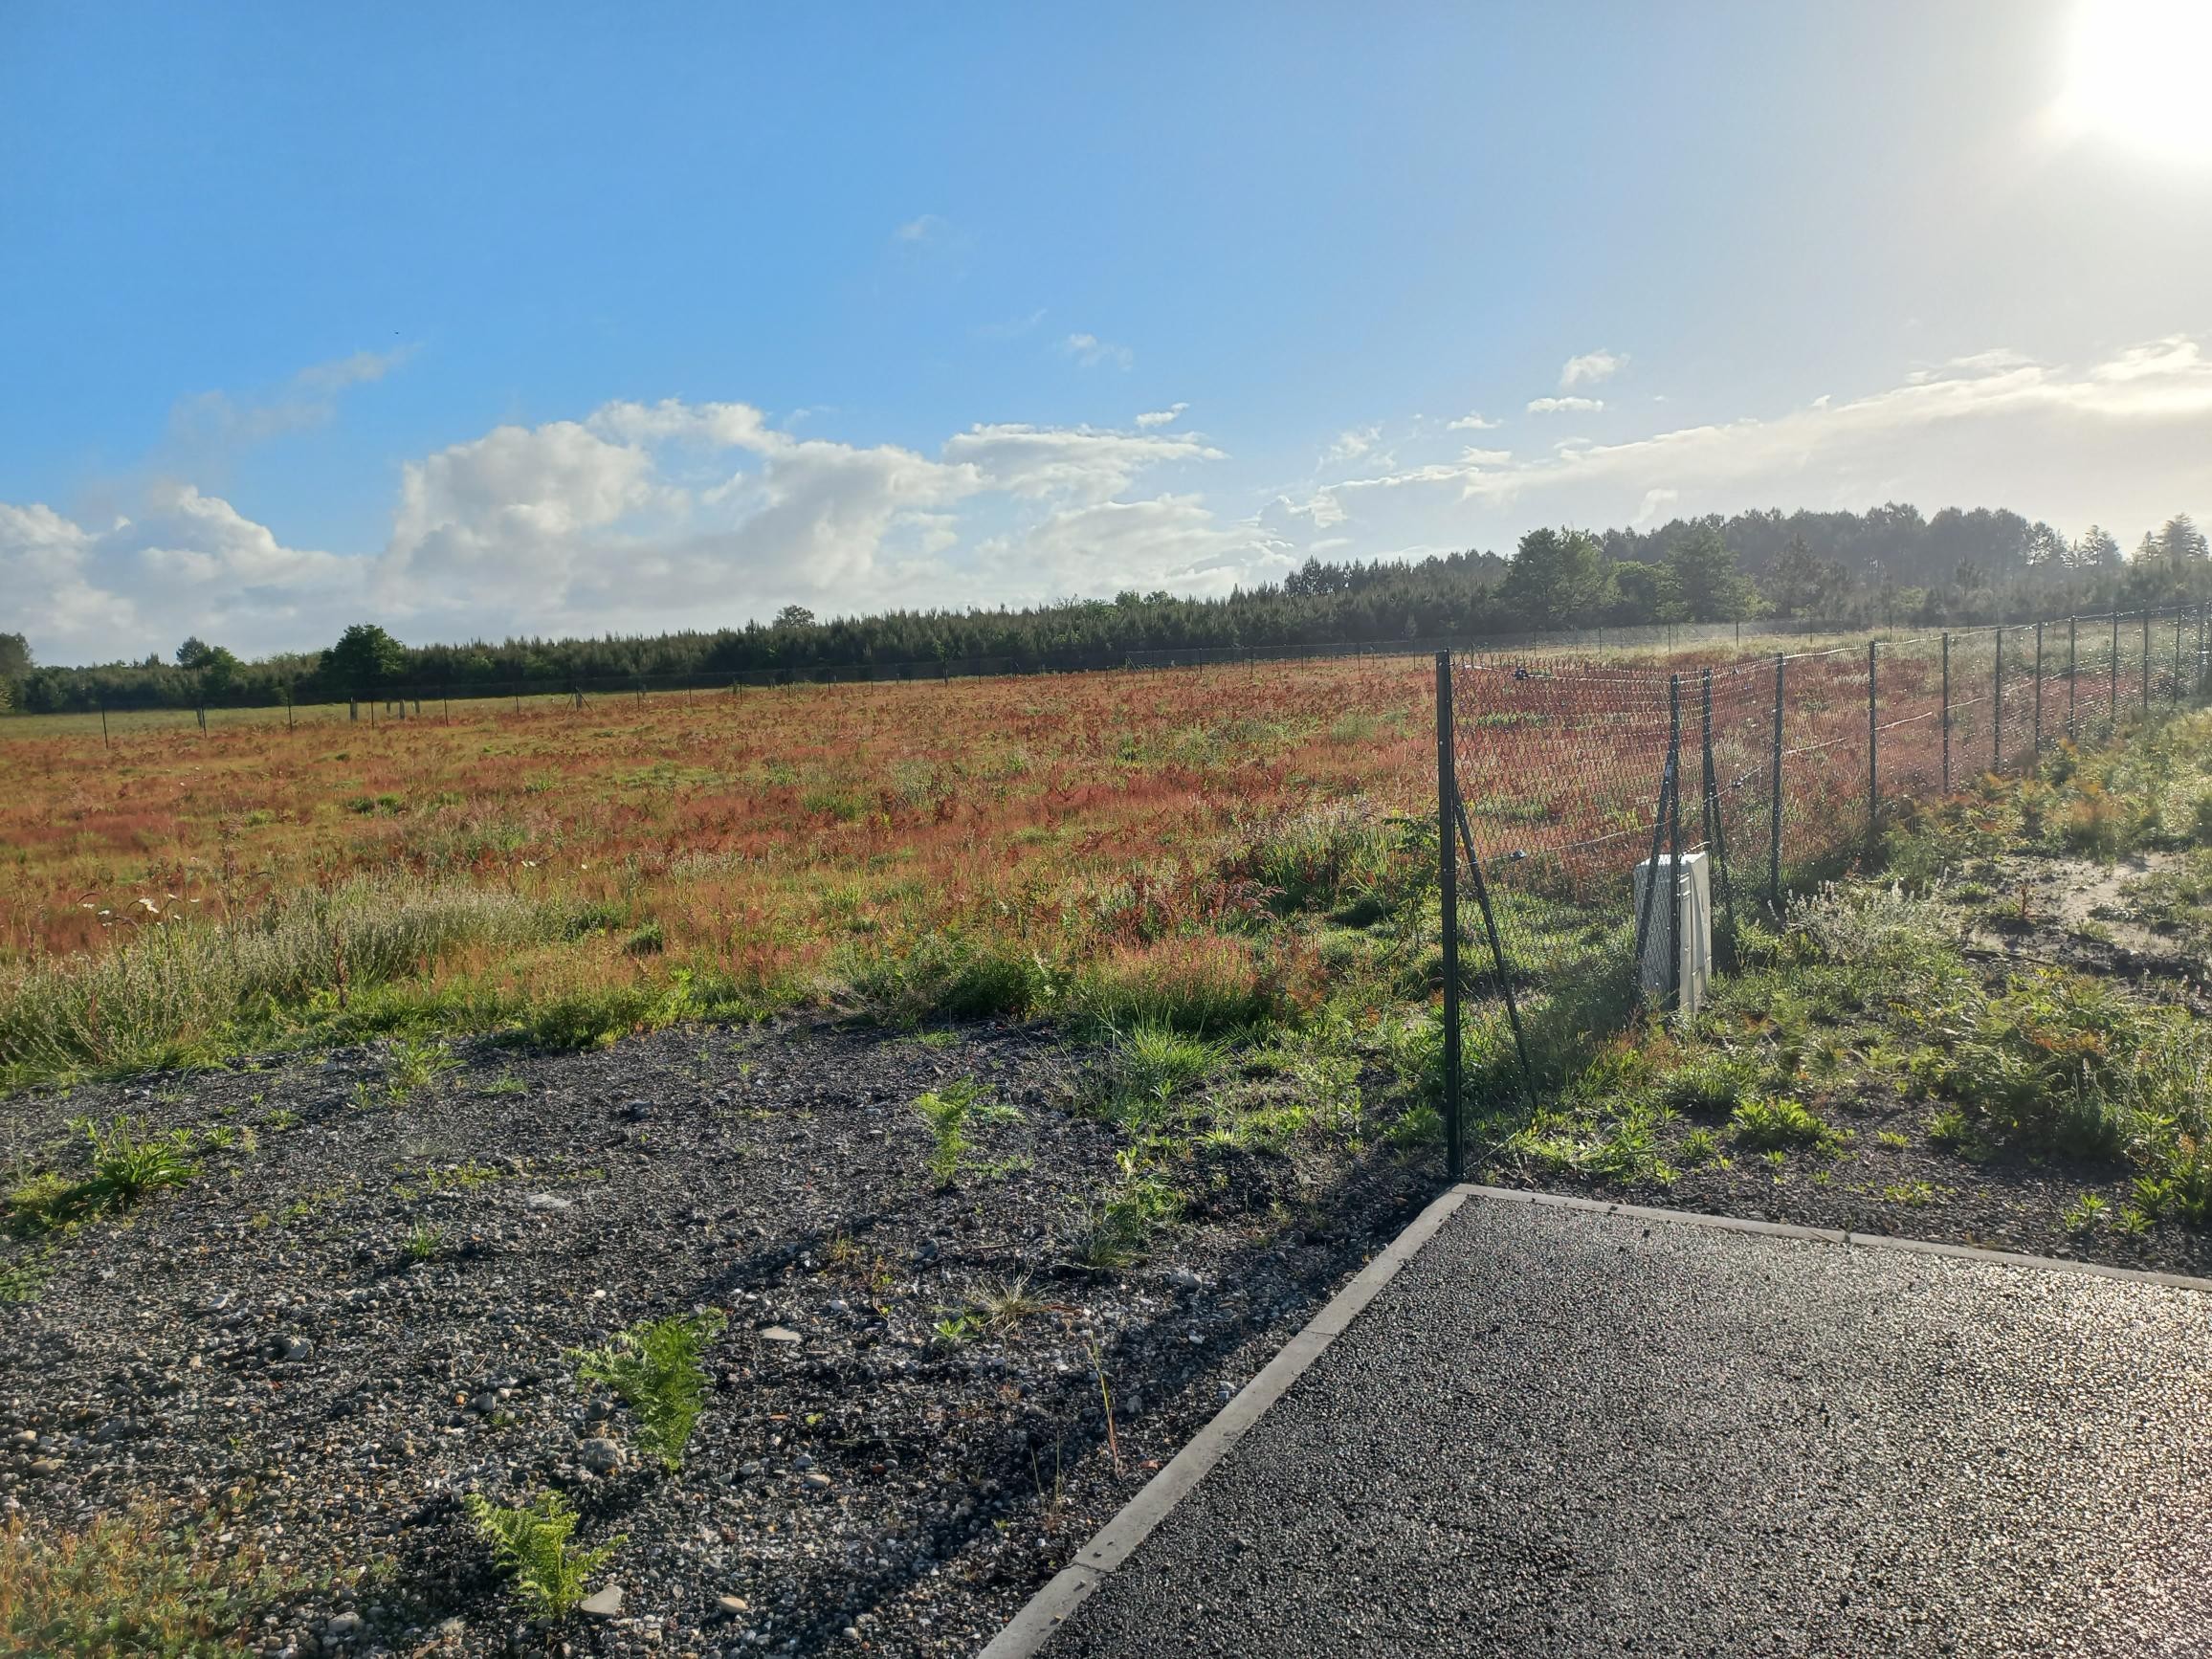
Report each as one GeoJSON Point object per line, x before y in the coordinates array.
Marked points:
{"type": "Point", "coordinates": [1029, 1630]}
{"type": "Point", "coordinates": [1829, 1235]}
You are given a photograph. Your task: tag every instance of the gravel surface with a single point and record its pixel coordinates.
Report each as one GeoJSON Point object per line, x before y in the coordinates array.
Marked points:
{"type": "Point", "coordinates": [261, 1347]}
{"type": "Point", "coordinates": [1560, 1432]}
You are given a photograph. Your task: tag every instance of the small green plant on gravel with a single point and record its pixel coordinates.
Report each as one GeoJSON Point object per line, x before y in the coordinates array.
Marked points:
{"type": "Point", "coordinates": [2182, 1191]}
{"type": "Point", "coordinates": [128, 1163]}
{"type": "Point", "coordinates": [127, 1583]}
{"type": "Point", "coordinates": [995, 1308]}
{"type": "Point", "coordinates": [44, 1201]}
{"type": "Point", "coordinates": [21, 1280]}
{"type": "Point", "coordinates": [1777, 1124]}
{"type": "Point", "coordinates": [1912, 1194]}
{"type": "Point", "coordinates": [948, 1112]}
{"type": "Point", "coordinates": [1700, 1146]}
{"type": "Point", "coordinates": [531, 1542]}
{"type": "Point", "coordinates": [958, 1329]}
{"type": "Point", "coordinates": [283, 1118]}
{"type": "Point", "coordinates": [1106, 1402]}
{"type": "Point", "coordinates": [505, 1083]}
{"type": "Point", "coordinates": [655, 1368]}
{"type": "Point", "coordinates": [2085, 1214]}
{"type": "Point", "coordinates": [415, 1065]}
{"type": "Point", "coordinates": [1891, 1140]}
{"type": "Point", "coordinates": [424, 1242]}
{"type": "Point", "coordinates": [1117, 1229]}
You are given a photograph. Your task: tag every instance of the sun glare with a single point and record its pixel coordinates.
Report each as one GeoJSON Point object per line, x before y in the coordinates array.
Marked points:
{"type": "Point", "coordinates": [2137, 70]}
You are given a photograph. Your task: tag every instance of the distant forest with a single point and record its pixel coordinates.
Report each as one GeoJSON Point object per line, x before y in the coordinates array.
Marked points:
{"type": "Point", "coordinates": [1888, 566]}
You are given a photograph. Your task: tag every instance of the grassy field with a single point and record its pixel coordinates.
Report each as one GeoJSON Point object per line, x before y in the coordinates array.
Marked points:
{"type": "Point", "coordinates": [1123, 843]}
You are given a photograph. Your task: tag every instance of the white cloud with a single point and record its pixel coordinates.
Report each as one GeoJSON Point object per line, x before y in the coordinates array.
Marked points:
{"type": "Point", "coordinates": [1565, 405]}
{"type": "Point", "coordinates": [641, 516]}
{"type": "Point", "coordinates": [1088, 350]}
{"type": "Point", "coordinates": [1471, 423]}
{"type": "Point", "coordinates": [2120, 442]}
{"type": "Point", "coordinates": [187, 563]}
{"type": "Point", "coordinates": [1160, 417]}
{"type": "Point", "coordinates": [206, 429]}
{"type": "Point", "coordinates": [644, 516]}
{"type": "Point", "coordinates": [1591, 368]}
{"type": "Point", "coordinates": [1352, 443]}
{"type": "Point", "coordinates": [919, 228]}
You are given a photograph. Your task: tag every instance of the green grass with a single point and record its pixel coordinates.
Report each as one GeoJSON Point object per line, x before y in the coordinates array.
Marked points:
{"type": "Point", "coordinates": [180, 994]}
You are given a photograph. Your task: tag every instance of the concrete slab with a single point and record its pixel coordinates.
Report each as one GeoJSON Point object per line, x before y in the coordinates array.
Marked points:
{"type": "Point", "coordinates": [1568, 1428]}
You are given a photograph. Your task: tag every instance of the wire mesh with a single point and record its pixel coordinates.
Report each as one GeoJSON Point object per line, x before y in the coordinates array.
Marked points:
{"type": "Point", "coordinates": [1783, 769]}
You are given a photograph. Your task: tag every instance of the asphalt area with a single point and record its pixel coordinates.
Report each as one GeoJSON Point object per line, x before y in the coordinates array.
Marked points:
{"type": "Point", "coordinates": [1565, 1430]}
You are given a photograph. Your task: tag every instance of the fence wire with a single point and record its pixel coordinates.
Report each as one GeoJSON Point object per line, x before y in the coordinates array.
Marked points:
{"type": "Point", "coordinates": [1785, 770]}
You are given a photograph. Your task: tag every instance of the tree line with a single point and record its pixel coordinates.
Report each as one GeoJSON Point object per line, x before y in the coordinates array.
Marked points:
{"type": "Point", "coordinates": [1888, 566]}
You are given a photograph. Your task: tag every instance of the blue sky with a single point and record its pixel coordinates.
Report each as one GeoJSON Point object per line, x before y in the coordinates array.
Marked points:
{"type": "Point", "coordinates": [498, 320]}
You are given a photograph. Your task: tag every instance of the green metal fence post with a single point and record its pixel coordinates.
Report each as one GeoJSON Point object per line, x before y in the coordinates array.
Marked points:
{"type": "Point", "coordinates": [1947, 713]}
{"type": "Point", "coordinates": [2035, 754]}
{"type": "Point", "coordinates": [1997, 717]}
{"type": "Point", "coordinates": [1873, 755]}
{"type": "Point", "coordinates": [1447, 876]}
{"type": "Point", "coordinates": [1774, 842]}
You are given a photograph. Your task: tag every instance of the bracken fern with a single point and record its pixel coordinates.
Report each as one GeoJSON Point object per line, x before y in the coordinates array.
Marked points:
{"type": "Point", "coordinates": [530, 1541]}
{"type": "Point", "coordinates": [655, 1368]}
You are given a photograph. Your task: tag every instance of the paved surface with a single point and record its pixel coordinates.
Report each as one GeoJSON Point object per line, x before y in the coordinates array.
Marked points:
{"type": "Point", "coordinates": [1558, 1431]}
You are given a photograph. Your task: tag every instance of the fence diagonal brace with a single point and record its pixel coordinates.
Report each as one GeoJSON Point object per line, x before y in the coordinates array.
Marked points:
{"type": "Point", "coordinates": [1497, 945]}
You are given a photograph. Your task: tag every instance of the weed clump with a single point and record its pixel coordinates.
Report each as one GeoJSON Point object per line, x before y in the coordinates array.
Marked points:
{"type": "Point", "coordinates": [1147, 1068]}
{"type": "Point", "coordinates": [530, 1542]}
{"type": "Point", "coordinates": [1205, 983]}
{"type": "Point", "coordinates": [1118, 1228]}
{"type": "Point", "coordinates": [1777, 1125]}
{"type": "Point", "coordinates": [655, 1368]}
{"type": "Point", "coordinates": [127, 1583]}
{"type": "Point", "coordinates": [125, 1163]}
{"type": "Point", "coordinates": [954, 978]}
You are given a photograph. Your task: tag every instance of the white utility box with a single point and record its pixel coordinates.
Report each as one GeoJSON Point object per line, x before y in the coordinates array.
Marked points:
{"type": "Point", "coordinates": [1694, 904]}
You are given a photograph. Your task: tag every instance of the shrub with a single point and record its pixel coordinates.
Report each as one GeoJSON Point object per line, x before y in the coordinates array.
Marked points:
{"type": "Point", "coordinates": [1323, 854]}
{"type": "Point", "coordinates": [2057, 1062]}
{"type": "Point", "coordinates": [1863, 925]}
{"type": "Point", "coordinates": [1773, 1125]}
{"type": "Point", "coordinates": [531, 1544]}
{"type": "Point", "coordinates": [2094, 822]}
{"type": "Point", "coordinates": [655, 1368]}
